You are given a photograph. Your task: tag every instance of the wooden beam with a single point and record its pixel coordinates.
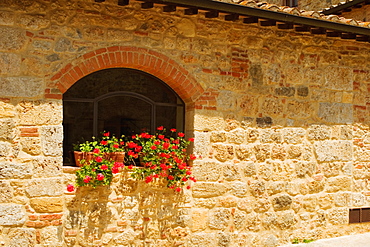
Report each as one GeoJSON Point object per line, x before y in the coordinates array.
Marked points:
{"type": "Point", "coordinates": [123, 2]}
{"type": "Point", "coordinates": [267, 23]}
{"type": "Point", "coordinates": [348, 36]}
{"type": "Point", "coordinates": [317, 30]}
{"type": "Point", "coordinates": [285, 25]}
{"type": "Point", "coordinates": [99, 1]}
{"type": "Point", "coordinates": [212, 14]}
{"type": "Point", "coordinates": [362, 38]}
{"type": "Point", "coordinates": [232, 17]}
{"type": "Point", "coordinates": [169, 8]}
{"type": "Point", "coordinates": [147, 5]}
{"type": "Point", "coordinates": [250, 19]}
{"type": "Point", "coordinates": [332, 33]}
{"type": "Point", "coordinates": [301, 28]}
{"type": "Point", "coordinates": [191, 11]}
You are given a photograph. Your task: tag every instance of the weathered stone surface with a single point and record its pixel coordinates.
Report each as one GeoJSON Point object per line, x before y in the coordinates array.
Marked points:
{"type": "Point", "coordinates": [223, 152]}
{"type": "Point", "coordinates": [51, 235]}
{"type": "Point", "coordinates": [294, 135]}
{"type": "Point", "coordinates": [47, 204]}
{"type": "Point", "coordinates": [337, 216]}
{"type": "Point", "coordinates": [209, 121]}
{"type": "Point", "coordinates": [219, 218]}
{"type": "Point", "coordinates": [199, 219]}
{"type": "Point", "coordinates": [236, 136]}
{"type": "Point", "coordinates": [202, 240]}
{"type": "Point", "coordinates": [47, 167]}
{"type": "Point", "coordinates": [5, 148]}
{"type": "Point", "coordinates": [231, 172]}
{"type": "Point", "coordinates": [339, 113]}
{"type": "Point", "coordinates": [10, 64]}
{"type": "Point", "coordinates": [339, 78]}
{"type": "Point", "coordinates": [31, 145]}
{"type": "Point", "coordinates": [208, 189]}
{"type": "Point", "coordinates": [125, 238]}
{"type": "Point", "coordinates": [40, 113]}
{"type": "Point", "coordinates": [44, 187]}
{"type": "Point", "coordinates": [340, 183]}
{"type": "Point", "coordinates": [239, 189]}
{"type": "Point", "coordinates": [7, 129]}
{"type": "Point", "coordinates": [11, 39]}
{"type": "Point", "coordinates": [257, 188]}
{"type": "Point", "coordinates": [243, 152]}
{"type": "Point", "coordinates": [21, 237]}
{"type": "Point", "coordinates": [6, 192]}
{"type": "Point", "coordinates": [21, 87]}
{"type": "Point", "coordinates": [52, 140]}
{"type": "Point", "coordinates": [282, 202]}
{"type": "Point", "coordinates": [333, 150]}
{"type": "Point", "coordinates": [207, 170]}
{"type": "Point", "coordinates": [12, 215]}
{"type": "Point", "coordinates": [14, 170]}
{"type": "Point", "coordinates": [319, 132]}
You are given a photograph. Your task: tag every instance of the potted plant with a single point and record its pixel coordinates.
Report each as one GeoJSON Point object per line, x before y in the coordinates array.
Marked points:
{"type": "Point", "coordinates": [161, 156]}
{"type": "Point", "coordinates": [108, 145]}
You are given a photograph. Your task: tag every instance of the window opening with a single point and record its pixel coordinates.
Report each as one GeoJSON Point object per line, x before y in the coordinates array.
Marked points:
{"type": "Point", "coordinates": [359, 215]}
{"type": "Point", "coordinates": [122, 101]}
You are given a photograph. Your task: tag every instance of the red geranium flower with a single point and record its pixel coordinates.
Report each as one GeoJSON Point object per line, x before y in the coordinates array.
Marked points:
{"type": "Point", "coordinates": [153, 147]}
{"type": "Point", "coordinates": [191, 139]}
{"type": "Point", "coordinates": [116, 146]}
{"type": "Point", "coordinates": [160, 128]}
{"type": "Point", "coordinates": [178, 189]}
{"type": "Point", "coordinates": [115, 169]}
{"type": "Point", "coordinates": [96, 150]}
{"type": "Point", "coordinates": [161, 137]}
{"type": "Point", "coordinates": [166, 145]}
{"type": "Point", "coordinates": [103, 142]}
{"type": "Point", "coordinates": [180, 134]}
{"type": "Point", "coordinates": [170, 177]}
{"type": "Point", "coordinates": [173, 130]}
{"type": "Point", "coordinates": [98, 159]}
{"type": "Point", "coordinates": [87, 179]}
{"type": "Point", "coordinates": [106, 134]}
{"type": "Point", "coordinates": [104, 167]}
{"type": "Point", "coordinates": [100, 177]}
{"type": "Point", "coordinates": [70, 188]}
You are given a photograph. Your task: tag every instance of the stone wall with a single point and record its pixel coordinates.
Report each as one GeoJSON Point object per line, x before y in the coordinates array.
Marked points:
{"type": "Point", "coordinates": [280, 121]}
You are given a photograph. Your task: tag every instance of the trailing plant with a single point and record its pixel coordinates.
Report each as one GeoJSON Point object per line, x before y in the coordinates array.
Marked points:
{"type": "Point", "coordinates": [161, 156]}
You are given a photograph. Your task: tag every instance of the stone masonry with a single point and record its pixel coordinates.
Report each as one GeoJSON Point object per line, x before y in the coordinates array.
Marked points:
{"type": "Point", "coordinates": [280, 120]}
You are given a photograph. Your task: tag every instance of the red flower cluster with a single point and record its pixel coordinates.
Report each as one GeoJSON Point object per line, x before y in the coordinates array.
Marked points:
{"type": "Point", "coordinates": [161, 156]}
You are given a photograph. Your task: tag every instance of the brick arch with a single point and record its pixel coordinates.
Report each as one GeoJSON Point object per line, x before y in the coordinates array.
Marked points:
{"type": "Point", "coordinates": [142, 59]}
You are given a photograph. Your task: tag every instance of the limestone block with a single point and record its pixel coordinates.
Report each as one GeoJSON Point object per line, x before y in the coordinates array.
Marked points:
{"type": "Point", "coordinates": [231, 172]}
{"type": "Point", "coordinates": [52, 140]}
{"type": "Point", "coordinates": [343, 199]}
{"type": "Point", "coordinates": [343, 132]}
{"type": "Point", "coordinates": [199, 219]}
{"type": "Point", "coordinates": [208, 189]}
{"type": "Point", "coordinates": [40, 113]}
{"type": "Point", "coordinates": [339, 113]}
{"type": "Point", "coordinates": [257, 188]}
{"type": "Point", "coordinates": [340, 183]}
{"type": "Point", "coordinates": [47, 167]}
{"type": "Point", "coordinates": [5, 148]}
{"type": "Point", "coordinates": [223, 152]}
{"type": "Point", "coordinates": [325, 201]}
{"type": "Point", "coordinates": [218, 136]}
{"type": "Point", "coordinates": [278, 151]}
{"type": "Point", "coordinates": [186, 27]}
{"type": "Point", "coordinates": [31, 145]}
{"type": "Point", "coordinates": [265, 170]}
{"type": "Point", "coordinates": [270, 135]}
{"type": "Point", "coordinates": [262, 152]}
{"type": "Point", "coordinates": [252, 134]}
{"type": "Point", "coordinates": [47, 204]}
{"type": "Point", "coordinates": [319, 132]}
{"type": "Point", "coordinates": [239, 189]}
{"type": "Point", "coordinates": [12, 215]}
{"type": "Point", "coordinates": [246, 204]}
{"type": "Point", "coordinates": [21, 87]}
{"type": "Point", "coordinates": [206, 170]}
{"type": "Point", "coordinates": [201, 143]}
{"type": "Point", "coordinates": [51, 236]}
{"type": "Point", "coordinates": [333, 150]}
{"type": "Point", "coordinates": [272, 107]}
{"type": "Point", "coordinates": [358, 200]}
{"type": "Point", "coordinates": [294, 135]}
{"type": "Point", "coordinates": [270, 241]}
{"type": "Point", "coordinates": [294, 151]}
{"type": "Point", "coordinates": [219, 218]}
{"type": "Point", "coordinates": [300, 109]}
{"type": "Point", "coordinates": [281, 202]}
{"type": "Point", "coordinates": [205, 202]}
{"type": "Point", "coordinates": [338, 78]}
{"type": "Point", "coordinates": [309, 202]}
{"type": "Point", "coordinates": [21, 237]}
{"type": "Point", "coordinates": [226, 101]}
{"type": "Point", "coordinates": [10, 64]}
{"type": "Point", "coordinates": [6, 192]}
{"type": "Point", "coordinates": [7, 129]}
{"type": "Point", "coordinates": [6, 110]}
{"type": "Point", "coordinates": [125, 238]}
{"type": "Point", "coordinates": [202, 240]}
{"type": "Point", "coordinates": [11, 39]}
{"type": "Point", "coordinates": [243, 152]}
{"type": "Point", "coordinates": [315, 186]}
{"type": "Point", "coordinates": [236, 136]}
{"type": "Point", "coordinates": [337, 216]}
{"type": "Point", "coordinates": [248, 105]}
{"type": "Point", "coordinates": [331, 169]}
{"type": "Point", "coordinates": [303, 168]}
{"type": "Point", "coordinates": [269, 220]}
{"type": "Point", "coordinates": [224, 239]}
{"type": "Point", "coordinates": [253, 222]}
{"type": "Point", "coordinates": [13, 170]}
{"type": "Point", "coordinates": [276, 187]}
{"type": "Point", "coordinates": [44, 187]}
{"type": "Point", "coordinates": [248, 169]}
{"type": "Point", "coordinates": [239, 219]}
{"type": "Point", "coordinates": [286, 219]}
{"type": "Point", "coordinates": [207, 120]}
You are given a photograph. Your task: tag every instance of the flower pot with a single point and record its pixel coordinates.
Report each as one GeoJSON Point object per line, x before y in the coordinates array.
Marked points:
{"type": "Point", "coordinates": [82, 157]}
{"type": "Point", "coordinates": [116, 156]}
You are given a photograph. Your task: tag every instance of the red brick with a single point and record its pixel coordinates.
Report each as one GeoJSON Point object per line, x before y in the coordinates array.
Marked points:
{"type": "Point", "coordinates": [51, 216]}
{"type": "Point", "coordinates": [29, 132]}
{"type": "Point", "coordinates": [70, 233]}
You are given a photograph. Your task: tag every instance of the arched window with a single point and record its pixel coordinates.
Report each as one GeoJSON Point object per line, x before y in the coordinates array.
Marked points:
{"type": "Point", "coordinates": [119, 100]}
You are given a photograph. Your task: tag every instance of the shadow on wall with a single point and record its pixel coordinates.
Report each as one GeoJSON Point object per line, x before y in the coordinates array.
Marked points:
{"type": "Point", "coordinates": [126, 213]}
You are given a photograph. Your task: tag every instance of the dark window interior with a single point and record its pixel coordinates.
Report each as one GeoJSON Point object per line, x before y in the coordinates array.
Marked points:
{"type": "Point", "coordinates": [359, 215]}
{"type": "Point", "coordinates": [122, 101]}
{"type": "Point", "coordinates": [290, 3]}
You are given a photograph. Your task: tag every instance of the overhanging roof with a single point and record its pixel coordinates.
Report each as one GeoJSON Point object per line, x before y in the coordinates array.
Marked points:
{"type": "Point", "coordinates": [345, 7]}
{"type": "Point", "coordinates": [264, 17]}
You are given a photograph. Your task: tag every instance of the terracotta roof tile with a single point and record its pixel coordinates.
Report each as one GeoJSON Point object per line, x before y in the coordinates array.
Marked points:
{"type": "Point", "coordinates": [304, 13]}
